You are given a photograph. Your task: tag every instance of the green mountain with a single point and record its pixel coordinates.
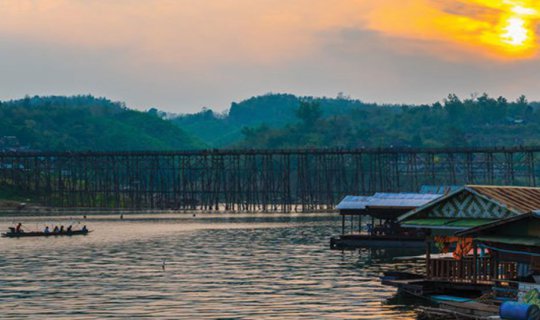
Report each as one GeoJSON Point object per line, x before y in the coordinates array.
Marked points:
{"type": "Point", "coordinates": [287, 121]}
{"type": "Point", "coordinates": [82, 123]}
{"type": "Point", "coordinates": [271, 110]}
{"type": "Point", "coordinates": [86, 123]}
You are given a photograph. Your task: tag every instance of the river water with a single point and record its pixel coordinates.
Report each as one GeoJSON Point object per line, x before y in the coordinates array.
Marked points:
{"type": "Point", "coordinates": [185, 267]}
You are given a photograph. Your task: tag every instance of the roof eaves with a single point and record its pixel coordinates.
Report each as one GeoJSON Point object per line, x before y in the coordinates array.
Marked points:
{"type": "Point", "coordinates": [494, 224]}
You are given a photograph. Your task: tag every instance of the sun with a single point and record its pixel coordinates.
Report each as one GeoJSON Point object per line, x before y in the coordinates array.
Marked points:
{"type": "Point", "coordinates": [516, 29]}
{"type": "Point", "coordinates": [515, 33]}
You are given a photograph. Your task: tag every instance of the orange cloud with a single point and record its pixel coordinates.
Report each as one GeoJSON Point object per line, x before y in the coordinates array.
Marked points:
{"type": "Point", "coordinates": [182, 32]}
{"type": "Point", "coordinates": [190, 34]}
{"type": "Point", "coordinates": [501, 29]}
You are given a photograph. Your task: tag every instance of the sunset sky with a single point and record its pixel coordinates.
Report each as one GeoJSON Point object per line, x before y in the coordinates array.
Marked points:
{"type": "Point", "coordinates": [181, 55]}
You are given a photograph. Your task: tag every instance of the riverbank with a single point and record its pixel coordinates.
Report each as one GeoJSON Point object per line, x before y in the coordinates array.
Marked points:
{"type": "Point", "coordinates": [10, 208]}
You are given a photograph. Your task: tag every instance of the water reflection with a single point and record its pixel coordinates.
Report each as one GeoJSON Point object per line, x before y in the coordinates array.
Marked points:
{"type": "Point", "coordinates": [215, 267]}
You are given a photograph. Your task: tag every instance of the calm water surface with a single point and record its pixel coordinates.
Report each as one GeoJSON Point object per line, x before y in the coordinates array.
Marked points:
{"type": "Point", "coordinates": [226, 267]}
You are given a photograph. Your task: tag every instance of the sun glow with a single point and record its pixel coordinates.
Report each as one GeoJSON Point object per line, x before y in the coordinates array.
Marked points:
{"type": "Point", "coordinates": [513, 32]}
{"type": "Point", "coordinates": [516, 33]}
{"type": "Point", "coordinates": [517, 29]}
{"type": "Point", "coordinates": [460, 29]}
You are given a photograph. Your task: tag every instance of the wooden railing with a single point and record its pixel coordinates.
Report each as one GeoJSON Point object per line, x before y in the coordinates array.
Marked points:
{"type": "Point", "coordinates": [466, 270]}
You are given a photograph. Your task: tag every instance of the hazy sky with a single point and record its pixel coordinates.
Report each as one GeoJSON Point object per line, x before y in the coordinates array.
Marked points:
{"type": "Point", "coordinates": [181, 55]}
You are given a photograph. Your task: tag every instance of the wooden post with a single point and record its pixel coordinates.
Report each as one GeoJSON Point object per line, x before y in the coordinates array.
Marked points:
{"type": "Point", "coordinates": [360, 224]}
{"type": "Point", "coordinates": [494, 259]}
{"type": "Point", "coordinates": [475, 262]}
{"type": "Point", "coordinates": [428, 256]}
{"type": "Point", "coordinates": [342, 224]}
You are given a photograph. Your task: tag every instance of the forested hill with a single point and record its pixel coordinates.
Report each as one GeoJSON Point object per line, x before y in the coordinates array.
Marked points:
{"type": "Point", "coordinates": [83, 123]}
{"type": "Point", "coordinates": [287, 121]}
{"type": "Point", "coordinates": [267, 111]}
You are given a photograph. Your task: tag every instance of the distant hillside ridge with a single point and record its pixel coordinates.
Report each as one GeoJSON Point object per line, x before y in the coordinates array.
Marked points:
{"type": "Point", "coordinates": [272, 121]}
{"type": "Point", "coordinates": [288, 121]}
{"type": "Point", "coordinates": [271, 110]}
{"type": "Point", "coordinates": [85, 123]}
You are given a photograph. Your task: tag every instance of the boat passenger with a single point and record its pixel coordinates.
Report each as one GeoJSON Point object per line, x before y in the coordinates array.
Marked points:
{"type": "Point", "coordinates": [55, 230]}
{"type": "Point", "coordinates": [69, 228]}
{"type": "Point", "coordinates": [84, 229]}
{"type": "Point", "coordinates": [61, 229]}
{"type": "Point", "coordinates": [19, 229]}
{"type": "Point", "coordinates": [46, 229]}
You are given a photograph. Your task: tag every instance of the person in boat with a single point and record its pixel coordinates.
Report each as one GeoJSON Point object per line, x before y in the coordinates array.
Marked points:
{"type": "Point", "coordinates": [46, 230]}
{"type": "Point", "coordinates": [61, 229]}
{"type": "Point", "coordinates": [69, 228]}
{"type": "Point", "coordinates": [19, 229]}
{"type": "Point", "coordinates": [84, 229]}
{"type": "Point", "coordinates": [55, 230]}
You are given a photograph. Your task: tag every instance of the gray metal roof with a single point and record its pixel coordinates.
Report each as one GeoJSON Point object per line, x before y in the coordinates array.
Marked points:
{"type": "Point", "coordinates": [403, 200]}
{"type": "Point", "coordinates": [440, 189]}
{"type": "Point", "coordinates": [353, 203]}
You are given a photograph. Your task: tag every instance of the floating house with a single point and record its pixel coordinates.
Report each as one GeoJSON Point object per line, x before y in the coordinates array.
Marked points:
{"type": "Point", "coordinates": [511, 242]}
{"type": "Point", "coordinates": [372, 221]}
{"type": "Point", "coordinates": [456, 224]}
{"type": "Point", "coordinates": [510, 249]}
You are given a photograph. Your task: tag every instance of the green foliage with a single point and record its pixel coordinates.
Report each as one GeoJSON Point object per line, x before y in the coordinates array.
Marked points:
{"type": "Point", "coordinates": [88, 123]}
{"type": "Point", "coordinates": [286, 121]}
{"type": "Point", "coordinates": [272, 110]}
{"type": "Point", "coordinates": [309, 113]}
{"type": "Point", "coordinates": [271, 121]}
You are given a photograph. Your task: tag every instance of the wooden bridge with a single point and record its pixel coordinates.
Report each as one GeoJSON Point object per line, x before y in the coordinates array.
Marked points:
{"type": "Point", "coordinates": [252, 180]}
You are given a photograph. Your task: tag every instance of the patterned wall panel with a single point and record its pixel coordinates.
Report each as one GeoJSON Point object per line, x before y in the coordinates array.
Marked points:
{"type": "Point", "coordinates": [468, 205]}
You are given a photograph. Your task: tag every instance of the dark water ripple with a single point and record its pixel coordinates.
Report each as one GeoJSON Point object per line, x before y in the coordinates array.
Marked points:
{"type": "Point", "coordinates": [235, 267]}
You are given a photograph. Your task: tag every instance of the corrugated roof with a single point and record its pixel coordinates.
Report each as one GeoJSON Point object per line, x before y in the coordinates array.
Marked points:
{"type": "Point", "coordinates": [401, 200]}
{"type": "Point", "coordinates": [522, 199]}
{"type": "Point", "coordinates": [353, 203]}
{"type": "Point", "coordinates": [524, 241]}
{"type": "Point", "coordinates": [440, 189]}
{"type": "Point", "coordinates": [393, 200]}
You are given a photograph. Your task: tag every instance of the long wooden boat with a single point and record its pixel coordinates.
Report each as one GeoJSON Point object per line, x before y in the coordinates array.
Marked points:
{"type": "Point", "coordinates": [43, 234]}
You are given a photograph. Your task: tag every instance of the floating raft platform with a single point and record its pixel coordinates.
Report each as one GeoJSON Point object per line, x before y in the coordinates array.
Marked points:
{"type": "Point", "coordinates": [417, 285]}
{"type": "Point", "coordinates": [460, 310]}
{"type": "Point", "coordinates": [354, 241]}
